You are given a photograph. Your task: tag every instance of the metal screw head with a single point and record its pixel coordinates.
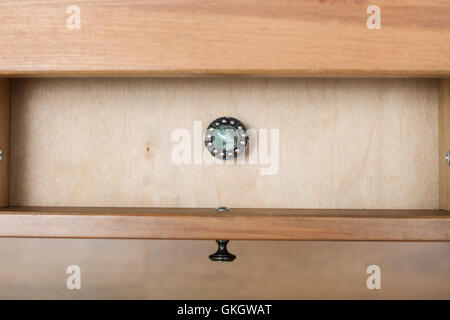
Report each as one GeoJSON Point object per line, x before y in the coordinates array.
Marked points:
{"type": "Point", "coordinates": [1, 155]}
{"type": "Point", "coordinates": [447, 157]}
{"type": "Point", "coordinates": [222, 209]}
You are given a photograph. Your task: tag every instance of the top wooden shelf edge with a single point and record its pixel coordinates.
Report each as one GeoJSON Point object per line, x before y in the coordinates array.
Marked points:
{"type": "Point", "coordinates": [233, 37]}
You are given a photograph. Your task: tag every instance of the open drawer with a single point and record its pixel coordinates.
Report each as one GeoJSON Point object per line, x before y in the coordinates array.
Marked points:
{"type": "Point", "coordinates": [329, 159]}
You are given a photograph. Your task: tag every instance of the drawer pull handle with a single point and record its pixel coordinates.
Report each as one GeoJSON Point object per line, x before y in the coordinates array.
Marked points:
{"type": "Point", "coordinates": [222, 254]}
{"type": "Point", "coordinates": [226, 138]}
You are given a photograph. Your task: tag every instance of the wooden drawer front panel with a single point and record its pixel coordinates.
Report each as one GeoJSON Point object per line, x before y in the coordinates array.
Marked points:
{"type": "Point", "coordinates": [222, 37]}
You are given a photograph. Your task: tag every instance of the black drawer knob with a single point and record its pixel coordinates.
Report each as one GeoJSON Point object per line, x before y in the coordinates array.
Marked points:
{"type": "Point", "coordinates": [222, 253]}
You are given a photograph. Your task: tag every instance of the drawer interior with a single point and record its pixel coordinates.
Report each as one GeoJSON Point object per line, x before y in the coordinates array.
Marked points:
{"type": "Point", "coordinates": [342, 143]}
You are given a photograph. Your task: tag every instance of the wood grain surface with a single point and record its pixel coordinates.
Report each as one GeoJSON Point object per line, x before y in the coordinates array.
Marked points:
{"type": "Point", "coordinates": [164, 269]}
{"type": "Point", "coordinates": [444, 145]}
{"type": "Point", "coordinates": [344, 143]}
{"type": "Point", "coordinates": [4, 140]}
{"type": "Point", "coordinates": [248, 37]}
{"type": "Point", "coordinates": [240, 224]}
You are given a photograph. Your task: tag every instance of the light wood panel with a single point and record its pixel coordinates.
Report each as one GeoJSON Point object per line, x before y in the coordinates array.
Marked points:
{"type": "Point", "coordinates": [240, 224]}
{"type": "Point", "coordinates": [4, 140]}
{"type": "Point", "coordinates": [344, 143]}
{"type": "Point", "coordinates": [179, 37]}
{"type": "Point", "coordinates": [444, 145]}
{"type": "Point", "coordinates": [161, 269]}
